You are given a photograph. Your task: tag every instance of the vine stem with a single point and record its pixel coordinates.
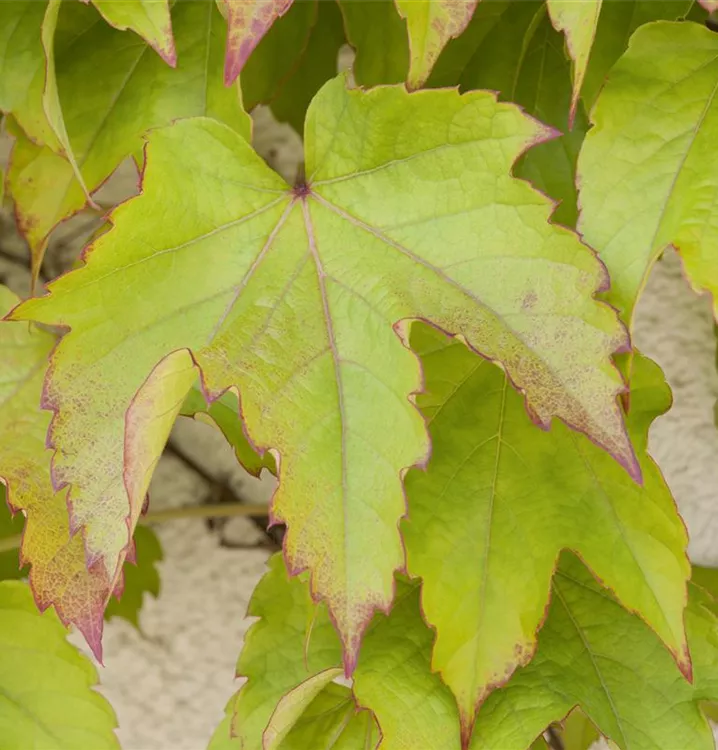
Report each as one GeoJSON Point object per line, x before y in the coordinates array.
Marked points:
{"type": "Point", "coordinates": [217, 510]}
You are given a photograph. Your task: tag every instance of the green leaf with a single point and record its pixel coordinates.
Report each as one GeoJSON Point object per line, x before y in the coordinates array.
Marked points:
{"type": "Point", "coordinates": [393, 678]}
{"type": "Point", "coordinates": [333, 722]}
{"type": "Point", "coordinates": [59, 573]}
{"type": "Point", "coordinates": [577, 731]}
{"type": "Point", "coordinates": [647, 166]}
{"type": "Point", "coordinates": [294, 58]}
{"type": "Point", "coordinates": [378, 34]}
{"type": "Point", "coordinates": [523, 59]}
{"type": "Point", "coordinates": [248, 21]}
{"type": "Point", "coordinates": [111, 94]}
{"type": "Point", "coordinates": [304, 329]}
{"type": "Point", "coordinates": [521, 495]}
{"type": "Point", "coordinates": [619, 19]}
{"type": "Point", "coordinates": [291, 643]}
{"type": "Point", "coordinates": [140, 576]}
{"type": "Point", "coordinates": [225, 413]}
{"type": "Point", "coordinates": [579, 22]}
{"type": "Point", "coordinates": [148, 18]}
{"type": "Point", "coordinates": [46, 695]}
{"type": "Point", "coordinates": [595, 654]}
{"type": "Point", "coordinates": [10, 527]}
{"type": "Point", "coordinates": [431, 24]}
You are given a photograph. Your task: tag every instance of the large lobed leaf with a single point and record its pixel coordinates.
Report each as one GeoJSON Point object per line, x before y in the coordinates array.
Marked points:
{"type": "Point", "coordinates": [113, 88]}
{"type": "Point", "coordinates": [647, 167]}
{"type": "Point", "coordinates": [499, 501]}
{"type": "Point", "coordinates": [46, 695]}
{"type": "Point", "coordinates": [292, 295]}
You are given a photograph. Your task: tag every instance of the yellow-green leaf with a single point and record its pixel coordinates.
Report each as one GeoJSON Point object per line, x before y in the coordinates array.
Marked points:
{"type": "Point", "coordinates": [148, 18]}
{"type": "Point", "coordinates": [111, 93]}
{"type": "Point", "coordinates": [257, 280]}
{"type": "Point", "coordinates": [46, 686]}
{"type": "Point", "coordinates": [500, 499]}
{"type": "Point", "coordinates": [431, 24]}
{"type": "Point", "coordinates": [647, 167]}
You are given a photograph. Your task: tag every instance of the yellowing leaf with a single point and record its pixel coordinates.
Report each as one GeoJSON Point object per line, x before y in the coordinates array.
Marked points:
{"type": "Point", "coordinates": [46, 695]}
{"type": "Point", "coordinates": [431, 24]}
{"type": "Point", "coordinates": [500, 499]}
{"type": "Point", "coordinates": [647, 168]}
{"type": "Point", "coordinates": [578, 19]}
{"type": "Point", "coordinates": [593, 653]}
{"type": "Point", "coordinates": [248, 21]}
{"type": "Point", "coordinates": [111, 94]}
{"type": "Point", "coordinates": [58, 574]}
{"type": "Point", "coordinates": [294, 296]}
{"type": "Point", "coordinates": [148, 18]}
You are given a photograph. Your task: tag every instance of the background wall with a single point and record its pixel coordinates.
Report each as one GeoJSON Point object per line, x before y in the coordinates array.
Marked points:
{"type": "Point", "coordinates": [169, 683]}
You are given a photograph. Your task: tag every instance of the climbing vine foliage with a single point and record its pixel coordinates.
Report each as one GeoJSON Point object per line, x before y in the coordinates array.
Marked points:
{"type": "Point", "coordinates": [425, 334]}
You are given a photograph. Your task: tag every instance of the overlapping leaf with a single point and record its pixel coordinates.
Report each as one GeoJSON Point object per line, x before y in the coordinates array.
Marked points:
{"type": "Point", "coordinates": [148, 18]}
{"type": "Point", "coordinates": [10, 528]}
{"type": "Point", "coordinates": [248, 21]}
{"type": "Point", "coordinates": [58, 573]}
{"type": "Point", "coordinates": [296, 56]}
{"type": "Point", "coordinates": [500, 499]}
{"type": "Point", "coordinates": [113, 88]}
{"type": "Point", "coordinates": [46, 695]}
{"type": "Point", "coordinates": [579, 22]}
{"type": "Point", "coordinates": [594, 654]}
{"type": "Point", "coordinates": [431, 24]}
{"type": "Point", "coordinates": [258, 281]}
{"type": "Point", "coordinates": [647, 168]}
{"type": "Point", "coordinates": [378, 34]}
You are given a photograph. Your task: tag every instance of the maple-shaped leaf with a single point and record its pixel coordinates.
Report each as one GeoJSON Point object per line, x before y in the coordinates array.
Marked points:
{"type": "Point", "coordinates": [521, 496]}
{"type": "Point", "coordinates": [595, 654]}
{"type": "Point", "coordinates": [294, 59]}
{"type": "Point", "coordinates": [148, 18]}
{"type": "Point", "coordinates": [111, 94]}
{"type": "Point", "coordinates": [292, 643]}
{"type": "Point", "coordinates": [139, 576]}
{"type": "Point", "coordinates": [59, 574]}
{"type": "Point", "coordinates": [430, 25]}
{"type": "Point", "coordinates": [579, 22]}
{"type": "Point", "coordinates": [247, 21]}
{"type": "Point", "coordinates": [46, 685]}
{"type": "Point", "coordinates": [647, 167]}
{"type": "Point", "coordinates": [220, 257]}
{"type": "Point", "coordinates": [378, 35]}
{"type": "Point", "coordinates": [224, 413]}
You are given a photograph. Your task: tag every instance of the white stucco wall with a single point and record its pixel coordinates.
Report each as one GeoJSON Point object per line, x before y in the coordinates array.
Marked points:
{"type": "Point", "coordinates": [169, 684]}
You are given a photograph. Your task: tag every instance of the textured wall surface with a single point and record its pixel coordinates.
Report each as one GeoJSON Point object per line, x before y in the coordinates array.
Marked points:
{"type": "Point", "coordinates": [169, 683]}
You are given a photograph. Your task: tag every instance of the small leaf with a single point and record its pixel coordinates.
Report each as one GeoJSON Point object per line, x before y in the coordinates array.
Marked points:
{"type": "Point", "coordinates": [646, 169]}
{"type": "Point", "coordinates": [579, 22]}
{"type": "Point", "coordinates": [111, 93]}
{"type": "Point", "coordinates": [431, 24]}
{"type": "Point", "coordinates": [291, 643]}
{"type": "Point", "coordinates": [378, 34]}
{"type": "Point", "coordinates": [256, 280]}
{"type": "Point", "coordinates": [593, 653]}
{"type": "Point", "coordinates": [291, 707]}
{"type": "Point", "coordinates": [140, 576]}
{"type": "Point", "coordinates": [148, 18]}
{"type": "Point", "coordinates": [224, 412]}
{"type": "Point", "coordinates": [46, 695]}
{"type": "Point", "coordinates": [11, 526]}
{"type": "Point", "coordinates": [577, 731]}
{"type": "Point", "coordinates": [393, 678]}
{"type": "Point", "coordinates": [521, 495]}
{"type": "Point", "coordinates": [248, 21]}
